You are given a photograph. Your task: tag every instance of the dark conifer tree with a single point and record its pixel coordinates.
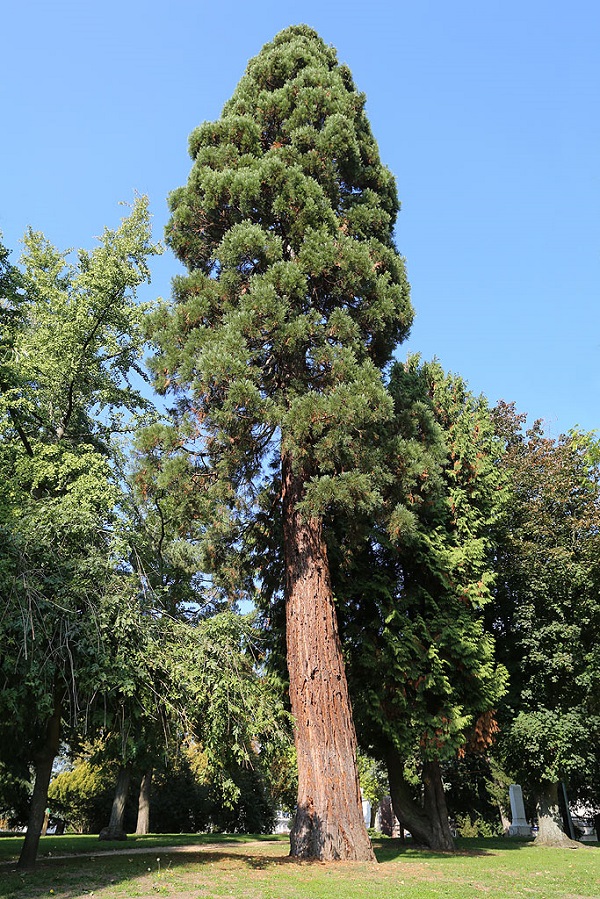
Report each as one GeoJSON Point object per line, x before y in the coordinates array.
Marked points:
{"type": "Point", "coordinates": [293, 302]}
{"type": "Point", "coordinates": [422, 671]}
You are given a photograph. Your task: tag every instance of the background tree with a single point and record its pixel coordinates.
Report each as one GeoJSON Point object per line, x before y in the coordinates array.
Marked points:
{"type": "Point", "coordinates": [294, 300]}
{"type": "Point", "coordinates": [14, 772]}
{"type": "Point", "coordinates": [82, 793]}
{"type": "Point", "coordinates": [546, 613]}
{"type": "Point", "coordinates": [144, 696]}
{"type": "Point", "coordinates": [477, 790]}
{"type": "Point", "coordinates": [15, 791]}
{"type": "Point", "coordinates": [75, 336]}
{"type": "Point", "coordinates": [11, 317]}
{"type": "Point", "coordinates": [149, 692]}
{"type": "Point", "coordinates": [374, 785]}
{"type": "Point", "coordinates": [221, 697]}
{"type": "Point", "coordinates": [182, 675]}
{"type": "Point", "coordinates": [422, 669]}
{"type": "Point", "coordinates": [185, 797]}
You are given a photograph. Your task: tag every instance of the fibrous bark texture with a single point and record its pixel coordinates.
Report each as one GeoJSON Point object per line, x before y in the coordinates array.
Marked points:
{"type": "Point", "coordinates": [329, 823]}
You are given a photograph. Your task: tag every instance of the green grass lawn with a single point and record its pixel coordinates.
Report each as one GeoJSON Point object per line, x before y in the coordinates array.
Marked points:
{"type": "Point", "coordinates": [88, 844]}
{"type": "Point", "coordinates": [258, 868]}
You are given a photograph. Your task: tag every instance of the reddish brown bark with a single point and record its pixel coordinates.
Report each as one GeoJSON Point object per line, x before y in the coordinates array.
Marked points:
{"type": "Point", "coordinates": [329, 822]}
{"type": "Point", "coordinates": [43, 760]}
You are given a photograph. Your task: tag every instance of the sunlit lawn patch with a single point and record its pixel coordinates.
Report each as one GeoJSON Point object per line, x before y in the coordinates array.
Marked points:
{"type": "Point", "coordinates": [482, 869]}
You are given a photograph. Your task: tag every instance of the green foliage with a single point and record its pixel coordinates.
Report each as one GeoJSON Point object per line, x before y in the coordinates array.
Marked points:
{"type": "Point", "coordinates": [253, 811]}
{"type": "Point", "coordinates": [15, 791]}
{"type": "Point", "coordinates": [422, 667]}
{"type": "Point", "coordinates": [234, 710]}
{"type": "Point", "coordinates": [477, 787]}
{"type": "Point", "coordinates": [295, 294]}
{"type": "Point", "coordinates": [546, 611]}
{"type": "Point", "coordinates": [186, 797]}
{"type": "Point", "coordinates": [74, 337]}
{"type": "Point", "coordinates": [82, 797]}
{"type": "Point", "coordinates": [11, 316]}
{"type": "Point", "coordinates": [84, 331]}
{"type": "Point", "coordinates": [167, 675]}
{"type": "Point", "coordinates": [279, 763]}
{"type": "Point", "coordinates": [373, 779]}
{"type": "Point", "coordinates": [476, 827]}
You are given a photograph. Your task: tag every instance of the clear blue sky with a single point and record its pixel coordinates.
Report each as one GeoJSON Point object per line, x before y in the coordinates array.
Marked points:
{"type": "Point", "coordinates": [487, 113]}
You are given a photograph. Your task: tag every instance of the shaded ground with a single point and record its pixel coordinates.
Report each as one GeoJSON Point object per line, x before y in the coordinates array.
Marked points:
{"type": "Point", "coordinates": [483, 869]}
{"type": "Point", "coordinates": [137, 850]}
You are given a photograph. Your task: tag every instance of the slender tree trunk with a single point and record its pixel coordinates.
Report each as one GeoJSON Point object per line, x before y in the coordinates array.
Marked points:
{"type": "Point", "coordinates": [115, 830]}
{"type": "Point", "coordinates": [504, 820]}
{"type": "Point", "coordinates": [143, 818]}
{"type": "Point", "coordinates": [550, 822]}
{"type": "Point", "coordinates": [43, 760]}
{"type": "Point", "coordinates": [427, 823]}
{"type": "Point", "coordinates": [329, 822]}
{"type": "Point", "coordinates": [373, 818]}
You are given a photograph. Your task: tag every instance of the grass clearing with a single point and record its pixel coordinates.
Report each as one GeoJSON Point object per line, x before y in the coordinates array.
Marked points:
{"type": "Point", "coordinates": [191, 867]}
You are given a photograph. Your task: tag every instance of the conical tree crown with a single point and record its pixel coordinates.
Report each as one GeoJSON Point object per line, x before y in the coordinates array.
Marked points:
{"type": "Point", "coordinates": [296, 295]}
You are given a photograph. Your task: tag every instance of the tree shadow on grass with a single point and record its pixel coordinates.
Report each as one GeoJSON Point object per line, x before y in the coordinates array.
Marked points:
{"type": "Point", "coordinates": [389, 850]}
{"type": "Point", "coordinates": [74, 877]}
{"type": "Point", "coordinates": [87, 844]}
{"type": "Point", "coordinates": [77, 876]}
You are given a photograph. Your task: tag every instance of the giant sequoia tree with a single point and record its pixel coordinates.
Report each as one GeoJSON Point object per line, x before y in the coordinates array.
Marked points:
{"type": "Point", "coordinates": [294, 300]}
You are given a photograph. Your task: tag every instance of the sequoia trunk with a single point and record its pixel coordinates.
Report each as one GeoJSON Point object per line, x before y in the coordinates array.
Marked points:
{"type": "Point", "coordinates": [550, 823]}
{"type": "Point", "coordinates": [329, 823]}
{"type": "Point", "coordinates": [427, 823]}
{"type": "Point", "coordinates": [44, 760]}
{"type": "Point", "coordinates": [115, 829]}
{"type": "Point", "coordinates": [143, 818]}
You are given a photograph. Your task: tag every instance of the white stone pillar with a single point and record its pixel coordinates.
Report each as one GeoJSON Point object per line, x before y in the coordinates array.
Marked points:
{"type": "Point", "coordinates": [519, 826]}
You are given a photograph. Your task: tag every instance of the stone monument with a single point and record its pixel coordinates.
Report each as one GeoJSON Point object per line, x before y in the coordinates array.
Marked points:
{"type": "Point", "coordinates": [519, 826]}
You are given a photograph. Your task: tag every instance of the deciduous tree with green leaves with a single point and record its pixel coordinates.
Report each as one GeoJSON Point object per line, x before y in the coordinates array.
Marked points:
{"type": "Point", "coordinates": [546, 614]}
{"type": "Point", "coordinates": [182, 663]}
{"type": "Point", "coordinates": [293, 302]}
{"type": "Point", "coordinates": [74, 335]}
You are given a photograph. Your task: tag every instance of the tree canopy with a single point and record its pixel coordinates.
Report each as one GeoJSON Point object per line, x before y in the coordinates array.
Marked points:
{"type": "Point", "coordinates": [412, 586]}
{"type": "Point", "coordinates": [546, 611]}
{"type": "Point", "coordinates": [73, 335]}
{"type": "Point", "coordinates": [294, 299]}
{"type": "Point", "coordinates": [406, 545]}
